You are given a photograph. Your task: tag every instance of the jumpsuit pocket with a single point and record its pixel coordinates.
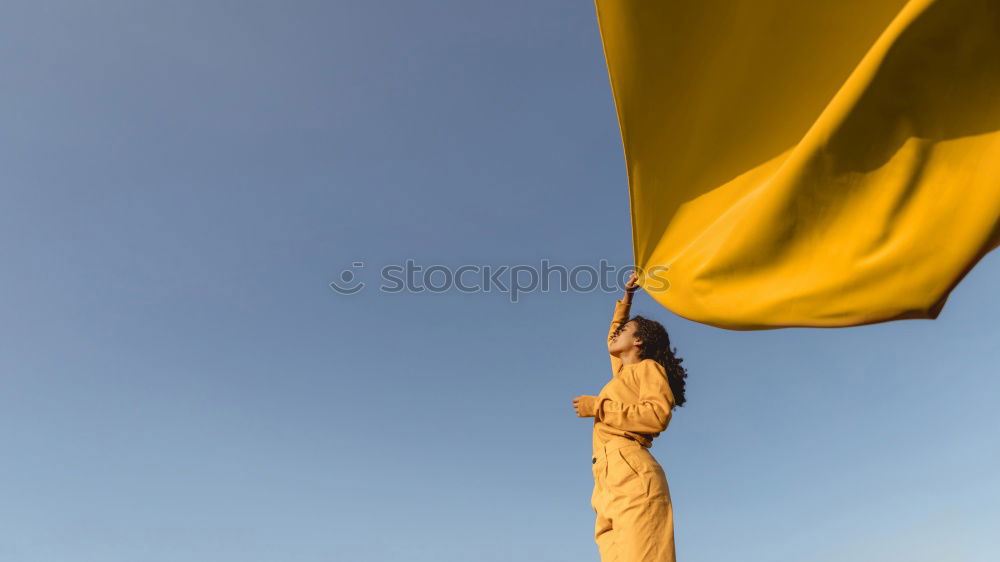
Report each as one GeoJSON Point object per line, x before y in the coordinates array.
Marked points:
{"type": "Point", "coordinates": [631, 463]}
{"type": "Point", "coordinates": [622, 474]}
{"type": "Point", "coordinates": [648, 472]}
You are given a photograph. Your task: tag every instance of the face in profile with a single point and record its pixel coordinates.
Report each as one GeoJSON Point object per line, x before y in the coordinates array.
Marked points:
{"type": "Point", "coordinates": [624, 340]}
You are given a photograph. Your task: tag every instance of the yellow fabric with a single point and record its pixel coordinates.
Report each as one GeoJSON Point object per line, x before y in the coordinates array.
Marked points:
{"type": "Point", "coordinates": [631, 499]}
{"type": "Point", "coordinates": [807, 163]}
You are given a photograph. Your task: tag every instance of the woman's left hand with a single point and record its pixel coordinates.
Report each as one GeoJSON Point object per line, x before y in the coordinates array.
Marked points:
{"type": "Point", "coordinates": [584, 406]}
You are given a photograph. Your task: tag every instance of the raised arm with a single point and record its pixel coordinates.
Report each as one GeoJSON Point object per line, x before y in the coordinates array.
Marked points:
{"type": "Point", "coordinates": [620, 316]}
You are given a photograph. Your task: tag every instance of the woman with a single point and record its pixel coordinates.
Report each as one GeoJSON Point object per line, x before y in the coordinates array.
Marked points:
{"type": "Point", "coordinates": [634, 515]}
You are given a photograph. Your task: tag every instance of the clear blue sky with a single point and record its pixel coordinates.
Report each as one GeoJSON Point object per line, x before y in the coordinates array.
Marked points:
{"type": "Point", "coordinates": [181, 181]}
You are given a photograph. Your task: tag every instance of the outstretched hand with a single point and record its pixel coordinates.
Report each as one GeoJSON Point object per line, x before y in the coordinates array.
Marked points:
{"type": "Point", "coordinates": [584, 406]}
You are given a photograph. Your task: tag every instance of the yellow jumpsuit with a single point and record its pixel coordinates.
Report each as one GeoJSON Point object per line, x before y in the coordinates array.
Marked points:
{"type": "Point", "coordinates": [631, 499]}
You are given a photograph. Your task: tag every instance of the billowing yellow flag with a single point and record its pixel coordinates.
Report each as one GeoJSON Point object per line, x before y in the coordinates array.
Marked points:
{"type": "Point", "coordinates": [807, 162]}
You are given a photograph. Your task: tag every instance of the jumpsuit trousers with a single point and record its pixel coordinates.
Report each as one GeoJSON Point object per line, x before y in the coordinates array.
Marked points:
{"type": "Point", "coordinates": [635, 519]}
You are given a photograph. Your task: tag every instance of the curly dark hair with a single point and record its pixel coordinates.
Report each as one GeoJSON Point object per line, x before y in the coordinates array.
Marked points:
{"type": "Point", "coordinates": [656, 346]}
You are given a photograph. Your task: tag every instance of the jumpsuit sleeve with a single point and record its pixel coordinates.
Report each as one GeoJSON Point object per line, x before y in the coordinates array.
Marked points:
{"type": "Point", "coordinates": [651, 414]}
{"type": "Point", "coordinates": [619, 317]}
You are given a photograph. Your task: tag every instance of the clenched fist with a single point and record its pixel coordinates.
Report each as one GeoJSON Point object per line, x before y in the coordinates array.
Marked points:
{"type": "Point", "coordinates": [584, 406]}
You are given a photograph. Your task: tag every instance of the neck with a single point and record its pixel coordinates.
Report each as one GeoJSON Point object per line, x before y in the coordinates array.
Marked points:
{"type": "Point", "coordinates": [630, 357]}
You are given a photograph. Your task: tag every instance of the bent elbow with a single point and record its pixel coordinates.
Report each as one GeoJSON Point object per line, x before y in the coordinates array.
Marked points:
{"type": "Point", "coordinates": [662, 421]}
